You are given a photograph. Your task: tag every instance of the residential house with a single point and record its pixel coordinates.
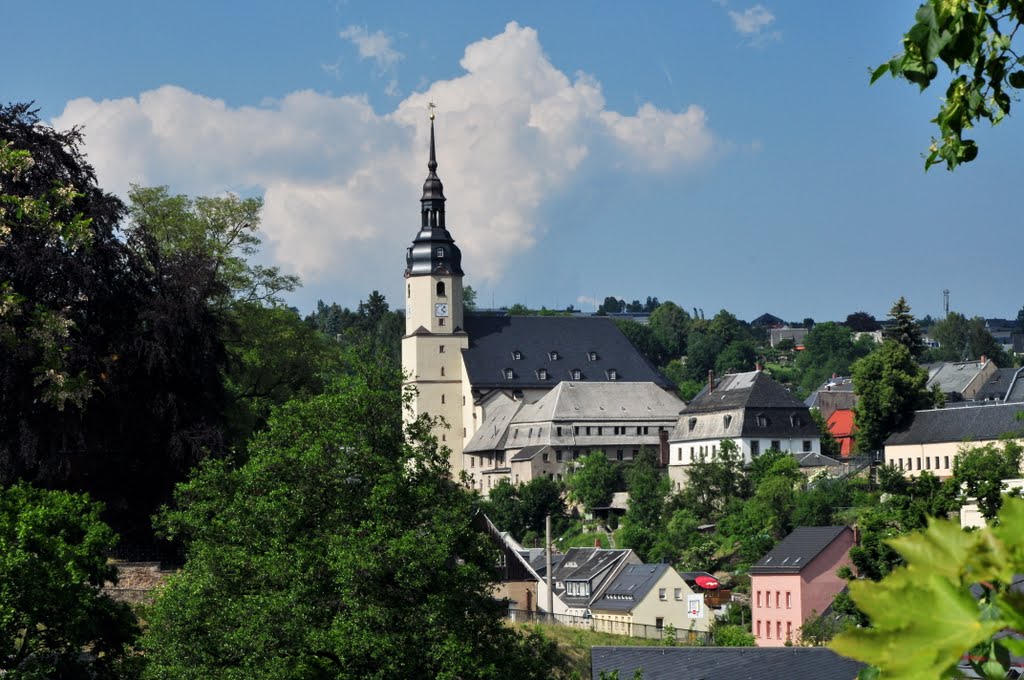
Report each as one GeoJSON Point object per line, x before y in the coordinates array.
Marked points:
{"type": "Point", "coordinates": [934, 437]}
{"type": "Point", "coordinates": [777, 335]}
{"type": "Point", "coordinates": [960, 380]}
{"type": "Point", "coordinates": [520, 441]}
{"type": "Point", "coordinates": [767, 320]}
{"type": "Point", "coordinates": [834, 394]}
{"type": "Point", "coordinates": [751, 409]}
{"type": "Point", "coordinates": [583, 574]}
{"type": "Point", "coordinates": [1006, 384]}
{"type": "Point", "coordinates": [797, 577]}
{"type": "Point", "coordinates": [732, 663]}
{"type": "Point", "coordinates": [522, 572]}
{"type": "Point", "coordinates": [843, 428]}
{"type": "Point", "coordinates": [643, 599]}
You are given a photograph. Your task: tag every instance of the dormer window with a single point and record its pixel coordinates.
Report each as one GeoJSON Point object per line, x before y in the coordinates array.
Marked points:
{"type": "Point", "coordinates": [762, 420]}
{"type": "Point", "coordinates": [553, 355]}
{"type": "Point", "coordinates": [542, 374]}
{"type": "Point", "coordinates": [795, 420]}
{"type": "Point", "coordinates": [516, 355]}
{"type": "Point", "coordinates": [726, 421]}
{"type": "Point", "coordinates": [575, 374]}
{"type": "Point", "coordinates": [439, 252]}
{"type": "Point", "coordinates": [692, 423]}
{"type": "Point", "coordinates": [613, 374]}
{"type": "Point", "coordinates": [591, 356]}
{"type": "Point", "coordinates": [509, 374]}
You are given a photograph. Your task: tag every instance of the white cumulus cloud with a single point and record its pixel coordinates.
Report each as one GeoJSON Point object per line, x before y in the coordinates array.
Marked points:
{"type": "Point", "coordinates": [376, 46]}
{"type": "Point", "coordinates": [753, 23]}
{"type": "Point", "coordinates": [341, 181]}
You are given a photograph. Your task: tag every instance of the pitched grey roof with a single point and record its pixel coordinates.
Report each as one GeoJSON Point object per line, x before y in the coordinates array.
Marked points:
{"type": "Point", "coordinates": [630, 587]}
{"type": "Point", "coordinates": [528, 453]}
{"type": "Point", "coordinates": [812, 459]}
{"type": "Point", "coordinates": [727, 663]}
{"type": "Point", "coordinates": [836, 384]}
{"type": "Point", "coordinates": [961, 423]}
{"type": "Point", "coordinates": [1000, 385]}
{"type": "Point", "coordinates": [954, 377]}
{"type": "Point", "coordinates": [594, 565]}
{"type": "Point", "coordinates": [491, 435]}
{"type": "Point", "coordinates": [494, 340]}
{"type": "Point", "coordinates": [797, 550]}
{"type": "Point", "coordinates": [754, 389]}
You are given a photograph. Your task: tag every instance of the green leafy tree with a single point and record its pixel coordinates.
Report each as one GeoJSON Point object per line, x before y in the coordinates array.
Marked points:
{"type": "Point", "coordinates": [340, 549]}
{"type": "Point", "coordinates": [819, 629]}
{"type": "Point", "coordinates": [670, 325]}
{"type": "Point", "coordinates": [973, 41]}
{"type": "Point", "coordinates": [890, 386]}
{"type": "Point", "coordinates": [648, 489]}
{"type": "Point", "coordinates": [980, 470]}
{"type": "Point", "coordinates": [612, 305]}
{"type": "Point", "coordinates": [713, 479]}
{"type": "Point", "coordinates": [905, 329]}
{"type": "Point", "coordinates": [828, 349]}
{"type": "Point", "coordinates": [522, 509]}
{"type": "Point", "coordinates": [862, 322]}
{"type": "Point", "coordinates": [591, 482]}
{"type": "Point", "coordinates": [734, 636]}
{"type": "Point", "coordinates": [642, 337]}
{"type": "Point", "coordinates": [963, 339]}
{"type": "Point", "coordinates": [468, 298]}
{"type": "Point", "coordinates": [736, 357]}
{"type": "Point", "coordinates": [52, 566]}
{"type": "Point", "coordinates": [939, 620]}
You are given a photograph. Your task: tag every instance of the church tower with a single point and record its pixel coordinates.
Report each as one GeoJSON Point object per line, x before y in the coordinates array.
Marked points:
{"type": "Point", "coordinates": [434, 336]}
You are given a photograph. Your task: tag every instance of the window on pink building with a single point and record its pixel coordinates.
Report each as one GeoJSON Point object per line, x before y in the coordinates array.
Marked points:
{"type": "Point", "coordinates": [778, 630]}
{"type": "Point", "coordinates": [768, 629]}
{"type": "Point", "coordinates": [767, 598]}
{"type": "Point", "coordinates": [759, 603]}
{"type": "Point", "coordinates": [789, 600]}
{"type": "Point", "coordinates": [778, 600]}
{"type": "Point", "coordinates": [789, 630]}
{"type": "Point", "coordinates": [758, 629]}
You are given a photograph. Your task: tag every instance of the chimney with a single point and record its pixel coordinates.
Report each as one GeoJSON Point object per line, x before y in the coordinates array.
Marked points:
{"type": "Point", "coordinates": [663, 447]}
{"type": "Point", "coordinates": [711, 382]}
{"type": "Point", "coordinates": [983, 359]}
{"type": "Point", "coordinates": [597, 542]}
{"type": "Point", "coordinates": [758, 367]}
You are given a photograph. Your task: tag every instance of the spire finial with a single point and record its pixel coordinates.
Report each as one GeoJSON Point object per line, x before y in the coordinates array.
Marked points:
{"type": "Point", "coordinates": [432, 163]}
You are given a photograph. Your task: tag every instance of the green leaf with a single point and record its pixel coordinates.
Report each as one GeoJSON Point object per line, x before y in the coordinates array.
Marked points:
{"type": "Point", "coordinates": [1016, 79]}
{"type": "Point", "coordinates": [879, 72]}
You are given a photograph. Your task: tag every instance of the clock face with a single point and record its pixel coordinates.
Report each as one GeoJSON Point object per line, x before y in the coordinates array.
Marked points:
{"type": "Point", "coordinates": [441, 309]}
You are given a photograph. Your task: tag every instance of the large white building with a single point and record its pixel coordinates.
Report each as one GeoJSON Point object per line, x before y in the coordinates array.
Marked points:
{"type": "Point", "coordinates": [465, 366]}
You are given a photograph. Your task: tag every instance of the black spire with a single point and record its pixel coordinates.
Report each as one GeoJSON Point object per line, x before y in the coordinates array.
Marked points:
{"type": "Point", "coordinates": [433, 250]}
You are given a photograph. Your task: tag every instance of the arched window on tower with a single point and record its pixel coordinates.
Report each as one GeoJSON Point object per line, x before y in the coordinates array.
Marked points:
{"type": "Point", "coordinates": [440, 289]}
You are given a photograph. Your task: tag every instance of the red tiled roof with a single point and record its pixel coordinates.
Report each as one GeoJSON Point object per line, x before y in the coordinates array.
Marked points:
{"type": "Point", "coordinates": [840, 423]}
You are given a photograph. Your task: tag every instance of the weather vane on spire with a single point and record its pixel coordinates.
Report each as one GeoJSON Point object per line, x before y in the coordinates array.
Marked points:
{"type": "Point", "coordinates": [430, 107]}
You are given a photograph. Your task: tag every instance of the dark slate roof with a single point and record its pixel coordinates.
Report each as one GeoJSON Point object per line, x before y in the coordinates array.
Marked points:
{"type": "Point", "coordinates": [630, 587]}
{"type": "Point", "coordinates": [494, 340]}
{"type": "Point", "coordinates": [743, 390]}
{"type": "Point", "coordinates": [797, 550]}
{"type": "Point", "coordinates": [528, 452]}
{"type": "Point", "coordinates": [726, 663]}
{"type": "Point", "coordinates": [963, 423]}
{"type": "Point", "coordinates": [767, 319]}
{"type": "Point", "coordinates": [999, 385]}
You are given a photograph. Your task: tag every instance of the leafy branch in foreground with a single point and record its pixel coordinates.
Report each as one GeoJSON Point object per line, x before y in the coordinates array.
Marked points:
{"type": "Point", "coordinates": [952, 598]}
{"type": "Point", "coordinates": [974, 39]}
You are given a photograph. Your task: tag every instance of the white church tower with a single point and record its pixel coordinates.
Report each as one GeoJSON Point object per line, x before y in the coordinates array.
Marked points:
{"type": "Point", "coordinates": [434, 336]}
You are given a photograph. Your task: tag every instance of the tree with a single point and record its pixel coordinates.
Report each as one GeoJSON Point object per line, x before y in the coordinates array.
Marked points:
{"type": "Point", "coordinates": [734, 636]}
{"type": "Point", "coordinates": [890, 386]}
{"type": "Point", "coordinates": [468, 298]}
{"type": "Point", "coordinates": [963, 339]}
{"type": "Point", "coordinates": [648, 488]}
{"type": "Point", "coordinates": [52, 566]}
{"type": "Point", "coordinates": [904, 329]}
{"type": "Point", "coordinates": [829, 446]}
{"type": "Point", "coordinates": [828, 349]}
{"type": "Point", "coordinates": [612, 305]}
{"type": "Point", "coordinates": [341, 548]}
{"type": "Point", "coordinates": [862, 322]}
{"type": "Point", "coordinates": [112, 352]}
{"type": "Point", "coordinates": [980, 470]}
{"type": "Point", "coordinates": [642, 337]}
{"type": "Point", "coordinates": [223, 228]}
{"type": "Point", "coordinates": [973, 39]}
{"type": "Point", "coordinates": [591, 482]}
{"type": "Point", "coordinates": [737, 357]}
{"type": "Point", "coordinates": [520, 509]}
{"type": "Point", "coordinates": [711, 480]}
{"type": "Point", "coordinates": [670, 325]}
{"type": "Point", "coordinates": [939, 621]}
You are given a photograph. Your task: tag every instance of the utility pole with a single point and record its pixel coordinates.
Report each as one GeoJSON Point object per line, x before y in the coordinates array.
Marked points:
{"type": "Point", "coordinates": [547, 566]}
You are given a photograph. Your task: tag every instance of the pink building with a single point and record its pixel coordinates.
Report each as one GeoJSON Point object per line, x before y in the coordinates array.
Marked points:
{"type": "Point", "coordinates": [796, 578]}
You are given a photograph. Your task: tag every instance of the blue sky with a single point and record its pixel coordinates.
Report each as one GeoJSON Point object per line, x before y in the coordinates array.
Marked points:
{"type": "Point", "coordinates": [718, 153]}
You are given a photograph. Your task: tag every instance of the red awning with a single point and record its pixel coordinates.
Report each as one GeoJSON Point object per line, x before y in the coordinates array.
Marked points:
{"type": "Point", "coordinates": [708, 582]}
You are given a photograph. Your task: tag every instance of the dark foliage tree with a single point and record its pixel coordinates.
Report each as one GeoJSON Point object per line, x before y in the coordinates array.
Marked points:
{"type": "Point", "coordinates": [612, 305]}
{"type": "Point", "coordinates": [592, 481]}
{"type": "Point", "coordinates": [862, 322]}
{"type": "Point", "coordinates": [110, 374]}
{"type": "Point", "coordinates": [905, 329]}
{"type": "Point", "coordinates": [963, 339]}
{"type": "Point", "coordinates": [712, 480]}
{"type": "Point", "coordinates": [979, 472]}
{"type": "Point", "coordinates": [643, 338]}
{"type": "Point", "coordinates": [890, 386]}
{"type": "Point", "coordinates": [648, 489]}
{"type": "Point", "coordinates": [670, 324]}
{"type": "Point", "coordinates": [522, 509]}
{"type": "Point", "coordinates": [828, 349]}
{"type": "Point", "coordinates": [737, 357]}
